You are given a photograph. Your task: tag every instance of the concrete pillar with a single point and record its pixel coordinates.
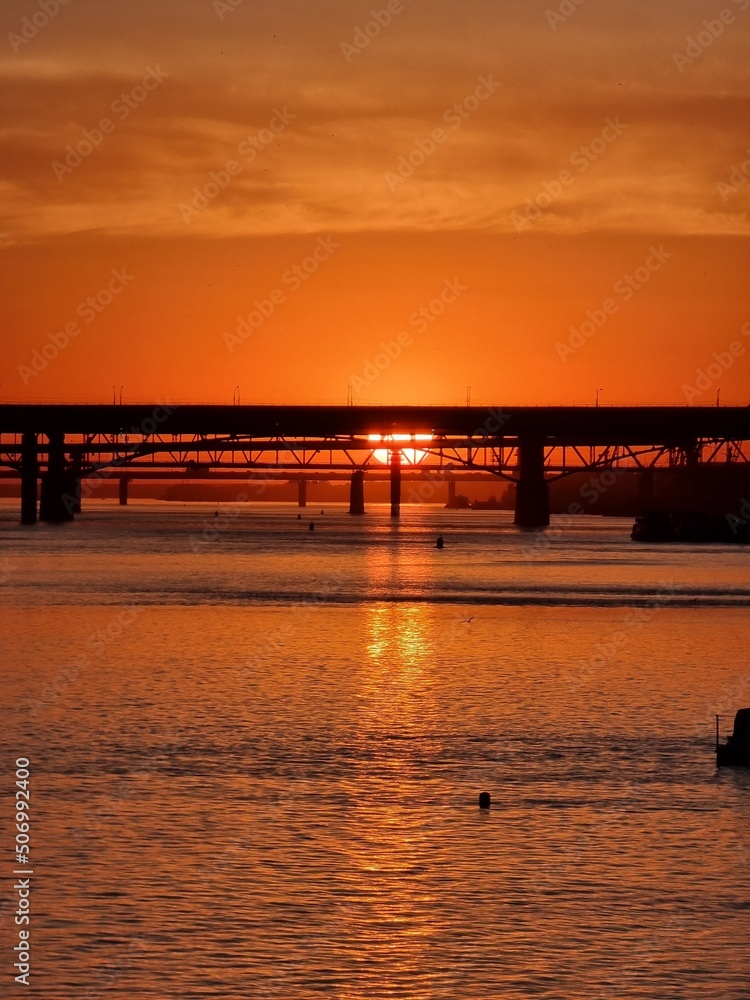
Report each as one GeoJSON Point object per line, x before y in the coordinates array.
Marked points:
{"type": "Point", "coordinates": [123, 490]}
{"type": "Point", "coordinates": [75, 472]}
{"type": "Point", "coordinates": [395, 483]}
{"type": "Point", "coordinates": [301, 492]}
{"type": "Point", "coordinates": [29, 475]}
{"type": "Point", "coordinates": [57, 500]}
{"type": "Point", "coordinates": [532, 492]}
{"type": "Point", "coordinates": [357, 493]}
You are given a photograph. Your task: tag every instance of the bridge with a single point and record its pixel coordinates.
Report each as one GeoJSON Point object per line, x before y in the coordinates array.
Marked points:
{"type": "Point", "coordinates": [63, 445]}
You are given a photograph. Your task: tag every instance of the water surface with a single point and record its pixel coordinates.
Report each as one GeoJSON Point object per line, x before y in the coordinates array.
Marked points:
{"type": "Point", "coordinates": [256, 752]}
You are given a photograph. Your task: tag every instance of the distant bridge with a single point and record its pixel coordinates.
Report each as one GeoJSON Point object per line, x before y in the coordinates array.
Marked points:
{"type": "Point", "coordinates": [64, 444]}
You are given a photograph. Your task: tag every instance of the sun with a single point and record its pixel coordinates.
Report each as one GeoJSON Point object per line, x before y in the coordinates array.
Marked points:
{"type": "Point", "coordinates": [409, 456]}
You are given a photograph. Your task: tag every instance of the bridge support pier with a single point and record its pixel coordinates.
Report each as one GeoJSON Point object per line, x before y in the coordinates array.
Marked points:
{"type": "Point", "coordinates": [57, 501]}
{"type": "Point", "coordinates": [357, 493]}
{"type": "Point", "coordinates": [532, 492]}
{"type": "Point", "coordinates": [395, 484]}
{"type": "Point", "coordinates": [302, 493]}
{"type": "Point", "coordinates": [75, 472]}
{"type": "Point", "coordinates": [29, 476]}
{"type": "Point", "coordinates": [123, 490]}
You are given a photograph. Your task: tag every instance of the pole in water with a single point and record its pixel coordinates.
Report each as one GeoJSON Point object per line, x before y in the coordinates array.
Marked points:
{"type": "Point", "coordinates": [439, 543]}
{"type": "Point", "coordinates": [312, 526]}
{"type": "Point", "coordinates": [484, 800]}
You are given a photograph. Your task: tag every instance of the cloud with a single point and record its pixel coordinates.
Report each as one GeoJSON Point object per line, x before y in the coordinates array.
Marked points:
{"type": "Point", "coordinates": [353, 122]}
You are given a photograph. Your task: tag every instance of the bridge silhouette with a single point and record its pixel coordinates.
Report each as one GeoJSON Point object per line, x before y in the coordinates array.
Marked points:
{"type": "Point", "coordinates": [62, 445]}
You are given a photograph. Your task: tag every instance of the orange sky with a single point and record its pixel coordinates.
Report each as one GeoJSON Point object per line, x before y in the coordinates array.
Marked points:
{"type": "Point", "coordinates": [263, 195]}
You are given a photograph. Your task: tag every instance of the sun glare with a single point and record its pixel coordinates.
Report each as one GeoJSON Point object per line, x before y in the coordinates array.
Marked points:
{"type": "Point", "coordinates": [409, 456]}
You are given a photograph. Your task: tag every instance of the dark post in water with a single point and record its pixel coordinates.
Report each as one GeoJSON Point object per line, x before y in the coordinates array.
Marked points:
{"type": "Point", "coordinates": [357, 493]}
{"type": "Point", "coordinates": [395, 483]}
{"type": "Point", "coordinates": [532, 492]}
{"type": "Point", "coordinates": [29, 474]}
{"type": "Point", "coordinates": [55, 506]}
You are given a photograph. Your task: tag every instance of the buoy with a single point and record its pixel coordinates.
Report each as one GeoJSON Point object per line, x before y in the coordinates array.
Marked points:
{"type": "Point", "coordinates": [439, 543]}
{"type": "Point", "coordinates": [484, 800]}
{"type": "Point", "coordinates": [312, 526]}
{"type": "Point", "coordinates": [299, 517]}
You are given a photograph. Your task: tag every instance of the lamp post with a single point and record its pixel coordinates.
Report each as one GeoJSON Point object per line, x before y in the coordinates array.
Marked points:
{"type": "Point", "coordinates": [597, 396]}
